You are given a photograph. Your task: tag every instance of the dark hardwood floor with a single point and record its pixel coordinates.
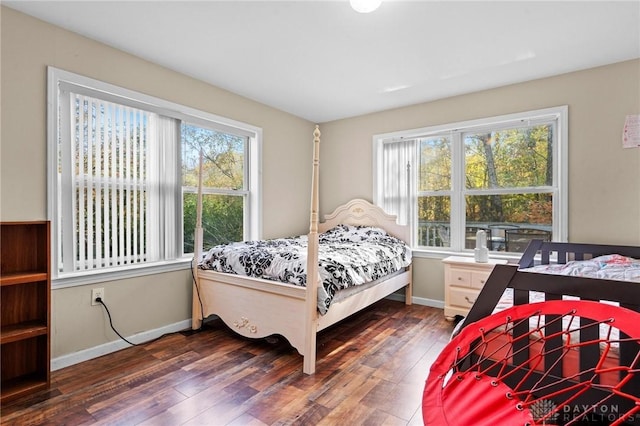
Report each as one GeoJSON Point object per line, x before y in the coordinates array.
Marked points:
{"type": "Point", "coordinates": [371, 371]}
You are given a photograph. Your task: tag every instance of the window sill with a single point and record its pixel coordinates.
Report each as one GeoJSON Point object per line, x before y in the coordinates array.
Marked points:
{"type": "Point", "coordinates": [73, 280]}
{"type": "Point", "coordinates": [441, 254]}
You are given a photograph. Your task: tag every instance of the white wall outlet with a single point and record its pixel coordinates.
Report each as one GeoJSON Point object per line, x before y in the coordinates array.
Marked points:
{"type": "Point", "coordinates": [96, 293]}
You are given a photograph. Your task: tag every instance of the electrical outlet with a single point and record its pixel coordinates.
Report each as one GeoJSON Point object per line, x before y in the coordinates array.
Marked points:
{"type": "Point", "coordinates": [95, 293]}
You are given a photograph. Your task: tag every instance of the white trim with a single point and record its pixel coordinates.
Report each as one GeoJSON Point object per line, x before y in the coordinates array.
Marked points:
{"type": "Point", "coordinates": [399, 297]}
{"type": "Point", "coordinates": [443, 254]}
{"type": "Point", "coordinates": [457, 217]}
{"type": "Point", "coordinates": [428, 302]}
{"type": "Point", "coordinates": [538, 114]}
{"type": "Point", "coordinates": [255, 184]}
{"type": "Point", "coordinates": [114, 274]}
{"type": "Point", "coordinates": [151, 103]}
{"type": "Point", "coordinates": [562, 156]}
{"type": "Point", "coordinates": [116, 345]}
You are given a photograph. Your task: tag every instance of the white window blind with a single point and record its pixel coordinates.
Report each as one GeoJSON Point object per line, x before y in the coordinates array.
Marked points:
{"type": "Point", "coordinates": [397, 179]}
{"type": "Point", "coordinates": [107, 223]}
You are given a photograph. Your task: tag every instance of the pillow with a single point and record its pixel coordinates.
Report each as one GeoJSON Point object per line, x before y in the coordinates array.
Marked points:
{"type": "Point", "coordinates": [353, 233]}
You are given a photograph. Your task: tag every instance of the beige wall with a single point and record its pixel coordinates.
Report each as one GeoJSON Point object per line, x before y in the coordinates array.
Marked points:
{"type": "Point", "coordinates": [151, 302]}
{"type": "Point", "coordinates": [604, 178]}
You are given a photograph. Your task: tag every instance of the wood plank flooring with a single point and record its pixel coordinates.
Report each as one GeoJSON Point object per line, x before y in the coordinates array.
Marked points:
{"type": "Point", "coordinates": [371, 371]}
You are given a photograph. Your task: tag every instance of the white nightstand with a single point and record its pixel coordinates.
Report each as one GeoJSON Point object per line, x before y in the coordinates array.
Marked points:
{"type": "Point", "coordinates": [463, 280]}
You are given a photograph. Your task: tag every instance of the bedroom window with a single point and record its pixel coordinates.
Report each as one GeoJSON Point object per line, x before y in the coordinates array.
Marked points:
{"type": "Point", "coordinates": [123, 173]}
{"type": "Point", "coordinates": [504, 175]}
{"type": "Point", "coordinates": [225, 193]}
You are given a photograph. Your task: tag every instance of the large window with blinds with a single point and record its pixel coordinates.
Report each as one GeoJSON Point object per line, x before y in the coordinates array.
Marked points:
{"type": "Point", "coordinates": [106, 173]}
{"type": "Point", "coordinates": [505, 176]}
{"type": "Point", "coordinates": [123, 174]}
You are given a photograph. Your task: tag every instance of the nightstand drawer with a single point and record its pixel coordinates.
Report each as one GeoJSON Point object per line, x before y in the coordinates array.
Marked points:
{"type": "Point", "coordinates": [460, 277]}
{"type": "Point", "coordinates": [479, 278]}
{"type": "Point", "coordinates": [463, 280]}
{"type": "Point", "coordinates": [462, 297]}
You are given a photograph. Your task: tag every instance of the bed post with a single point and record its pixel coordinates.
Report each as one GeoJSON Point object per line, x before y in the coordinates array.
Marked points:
{"type": "Point", "coordinates": [311, 302]}
{"type": "Point", "coordinates": [408, 290]}
{"type": "Point", "coordinates": [196, 310]}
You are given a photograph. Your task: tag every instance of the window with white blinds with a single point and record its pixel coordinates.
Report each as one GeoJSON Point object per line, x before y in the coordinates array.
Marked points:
{"type": "Point", "coordinates": [115, 186]}
{"type": "Point", "coordinates": [108, 197]}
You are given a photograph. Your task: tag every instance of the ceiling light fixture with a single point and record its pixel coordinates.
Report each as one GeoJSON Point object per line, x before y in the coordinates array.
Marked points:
{"type": "Point", "coordinates": [365, 6]}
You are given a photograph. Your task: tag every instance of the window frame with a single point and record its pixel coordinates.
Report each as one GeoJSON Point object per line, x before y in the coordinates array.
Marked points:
{"type": "Point", "coordinates": [56, 79]}
{"type": "Point", "coordinates": [458, 190]}
{"type": "Point", "coordinates": [245, 192]}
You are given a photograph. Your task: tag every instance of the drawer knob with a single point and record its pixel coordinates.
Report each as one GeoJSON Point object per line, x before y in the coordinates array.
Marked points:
{"type": "Point", "coordinates": [469, 300]}
{"type": "Point", "coordinates": [459, 278]}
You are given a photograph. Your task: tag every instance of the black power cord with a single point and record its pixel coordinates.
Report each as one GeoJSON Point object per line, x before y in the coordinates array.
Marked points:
{"type": "Point", "coordinates": [99, 300]}
{"type": "Point", "coordinates": [195, 283]}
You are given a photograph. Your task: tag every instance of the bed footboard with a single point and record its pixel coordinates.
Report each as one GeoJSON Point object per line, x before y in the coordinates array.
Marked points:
{"type": "Point", "coordinates": [253, 308]}
{"type": "Point", "coordinates": [257, 308]}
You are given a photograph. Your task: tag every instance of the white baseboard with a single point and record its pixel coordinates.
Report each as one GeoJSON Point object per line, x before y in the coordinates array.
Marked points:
{"type": "Point", "coordinates": [107, 348]}
{"type": "Point", "coordinates": [428, 302]}
{"type": "Point", "coordinates": [418, 300]}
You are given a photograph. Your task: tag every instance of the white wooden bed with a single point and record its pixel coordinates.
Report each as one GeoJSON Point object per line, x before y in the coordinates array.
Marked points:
{"type": "Point", "coordinates": [258, 308]}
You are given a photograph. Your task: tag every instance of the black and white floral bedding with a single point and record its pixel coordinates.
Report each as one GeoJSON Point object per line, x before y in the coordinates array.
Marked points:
{"type": "Point", "coordinates": [347, 256]}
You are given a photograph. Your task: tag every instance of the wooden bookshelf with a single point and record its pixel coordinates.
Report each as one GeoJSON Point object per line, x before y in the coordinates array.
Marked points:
{"type": "Point", "coordinates": [25, 318]}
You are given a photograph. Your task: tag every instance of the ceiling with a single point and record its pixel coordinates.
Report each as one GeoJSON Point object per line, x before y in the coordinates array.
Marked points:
{"type": "Point", "coordinates": [322, 61]}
